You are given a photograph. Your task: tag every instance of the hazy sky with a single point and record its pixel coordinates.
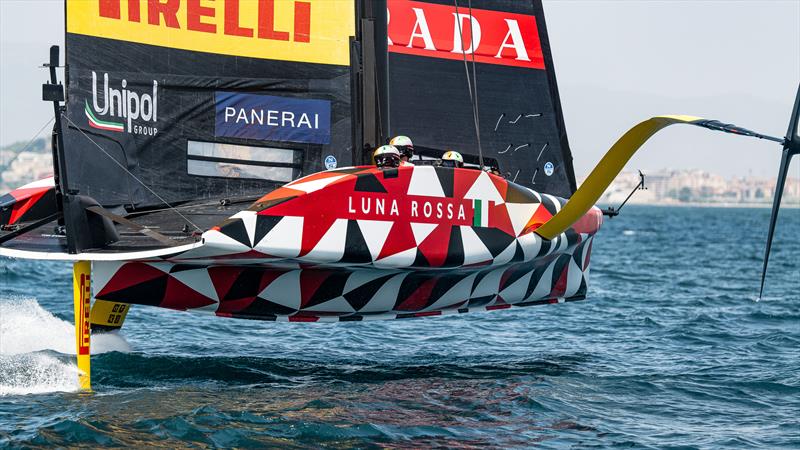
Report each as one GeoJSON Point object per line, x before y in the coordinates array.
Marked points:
{"type": "Point", "coordinates": [617, 63]}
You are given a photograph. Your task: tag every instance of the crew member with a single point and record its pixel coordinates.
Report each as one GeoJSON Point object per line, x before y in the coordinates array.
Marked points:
{"type": "Point", "coordinates": [386, 157]}
{"type": "Point", "coordinates": [452, 159]}
{"type": "Point", "coordinates": [405, 147]}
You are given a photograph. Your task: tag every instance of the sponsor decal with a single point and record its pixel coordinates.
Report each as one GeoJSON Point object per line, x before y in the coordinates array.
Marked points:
{"type": "Point", "coordinates": [437, 31]}
{"type": "Point", "coordinates": [314, 31]}
{"type": "Point", "coordinates": [549, 168]}
{"type": "Point", "coordinates": [85, 307]}
{"type": "Point", "coordinates": [330, 162]}
{"type": "Point", "coordinates": [137, 110]}
{"type": "Point", "coordinates": [271, 118]}
{"type": "Point", "coordinates": [417, 208]}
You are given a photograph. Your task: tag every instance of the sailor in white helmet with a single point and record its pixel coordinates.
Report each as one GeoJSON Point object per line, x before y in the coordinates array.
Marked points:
{"type": "Point", "coordinates": [405, 147]}
{"type": "Point", "coordinates": [386, 157]}
{"type": "Point", "coordinates": [452, 159]}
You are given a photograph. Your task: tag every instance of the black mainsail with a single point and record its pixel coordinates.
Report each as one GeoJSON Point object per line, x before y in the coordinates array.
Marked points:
{"type": "Point", "coordinates": [229, 100]}
{"type": "Point", "coordinates": [204, 101]}
{"type": "Point", "coordinates": [439, 73]}
{"type": "Point", "coordinates": [191, 104]}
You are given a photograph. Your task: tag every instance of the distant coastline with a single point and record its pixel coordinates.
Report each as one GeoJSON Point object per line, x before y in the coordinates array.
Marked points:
{"type": "Point", "coordinates": [784, 205]}
{"type": "Point", "coordinates": [695, 187]}
{"type": "Point", "coordinates": [23, 162]}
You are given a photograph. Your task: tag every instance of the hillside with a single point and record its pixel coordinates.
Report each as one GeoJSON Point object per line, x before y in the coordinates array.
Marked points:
{"type": "Point", "coordinates": [23, 162]}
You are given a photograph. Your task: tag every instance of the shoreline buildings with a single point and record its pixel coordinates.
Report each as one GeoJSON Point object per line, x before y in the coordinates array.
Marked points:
{"type": "Point", "coordinates": [664, 186]}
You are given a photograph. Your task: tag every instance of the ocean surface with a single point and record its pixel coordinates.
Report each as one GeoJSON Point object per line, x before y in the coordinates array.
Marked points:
{"type": "Point", "coordinates": [671, 350]}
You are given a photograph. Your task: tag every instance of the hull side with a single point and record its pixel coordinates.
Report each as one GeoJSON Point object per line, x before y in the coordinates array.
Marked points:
{"type": "Point", "coordinates": [311, 294]}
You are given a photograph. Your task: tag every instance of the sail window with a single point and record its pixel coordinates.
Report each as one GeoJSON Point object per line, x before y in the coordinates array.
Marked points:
{"type": "Point", "coordinates": [216, 159]}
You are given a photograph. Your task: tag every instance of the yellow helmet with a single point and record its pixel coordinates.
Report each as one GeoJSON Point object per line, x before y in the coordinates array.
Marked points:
{"type": "Point", "coordinates": [452, 159]}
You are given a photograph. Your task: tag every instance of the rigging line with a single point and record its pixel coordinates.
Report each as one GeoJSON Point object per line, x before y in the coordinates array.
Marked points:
{"type": "Point", "coordinates": [131, 174]}
{"type": "Point", "coordinates": [469, 81]}
{"type": "Point", "coordinates": [35, 136]}
{"type": "Point", "coordinates": [475, 87]}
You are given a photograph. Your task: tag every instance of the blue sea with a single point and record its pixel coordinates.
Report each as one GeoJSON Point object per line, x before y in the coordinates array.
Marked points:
{"type": "Point", "coordinates": [670, 350]}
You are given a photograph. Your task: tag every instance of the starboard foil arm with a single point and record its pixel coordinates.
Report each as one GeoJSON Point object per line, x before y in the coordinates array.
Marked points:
{"type": "Point", "coordinates": [620, 153]}
{"type": "Point", "coordinates": [615, 159]}
{"type": "Point", "coordinates": [606, 170]}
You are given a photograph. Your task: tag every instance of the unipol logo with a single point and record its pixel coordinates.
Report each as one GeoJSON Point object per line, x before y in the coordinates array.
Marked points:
{"type": "Point", "coordinates": [122, 109]}
{"type": "Point", "coordinates": [439, 31]}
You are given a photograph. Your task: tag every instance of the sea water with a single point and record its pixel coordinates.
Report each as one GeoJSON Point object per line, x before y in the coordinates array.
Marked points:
{"type": "Point", "coordinates": [672, 349]}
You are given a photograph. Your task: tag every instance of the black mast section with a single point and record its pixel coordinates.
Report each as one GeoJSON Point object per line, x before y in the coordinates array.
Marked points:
{"type": "Point", "coordinates": [54, 92]}
{"type": "Point", "coordinates": [373, 79]}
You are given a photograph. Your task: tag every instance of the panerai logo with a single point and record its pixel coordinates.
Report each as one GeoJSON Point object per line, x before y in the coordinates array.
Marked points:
{"type": "Point", "coordinates": [273, 118]}
{"type": "Point", "coordinates": [131, 107]}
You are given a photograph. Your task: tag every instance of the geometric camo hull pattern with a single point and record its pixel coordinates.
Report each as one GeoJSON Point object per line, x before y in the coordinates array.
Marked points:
{"type": "Point", "coordinates": [342, 294]}
{"type": "Point", "coordinates": [362, 243]}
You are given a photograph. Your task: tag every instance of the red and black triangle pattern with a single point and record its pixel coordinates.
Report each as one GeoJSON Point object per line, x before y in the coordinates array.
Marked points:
{"type": "Point", "coordinates": [361, 243]}
{"type": "Point", "coordinates": [346, 293]}
{"type": "Point", "coordinates": [415, 217]}
{"type": "Point", "coordinates": [28, 203]}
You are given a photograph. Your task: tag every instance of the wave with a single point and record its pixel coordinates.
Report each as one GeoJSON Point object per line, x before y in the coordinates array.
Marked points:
{"type": "Point", "coordinates": [36, 374]}
{"type": "Point", "coordinates": [31, 340]}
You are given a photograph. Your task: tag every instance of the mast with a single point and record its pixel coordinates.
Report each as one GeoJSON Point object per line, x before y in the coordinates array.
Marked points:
{"type": "Point", "coordinates": [54, 92]}
{"type": "Point", "coordinates": [373, 107]}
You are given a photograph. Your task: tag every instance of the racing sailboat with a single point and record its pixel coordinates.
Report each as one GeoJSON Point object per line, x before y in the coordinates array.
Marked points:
{"type": "Point", "coordinates": [216, 158]}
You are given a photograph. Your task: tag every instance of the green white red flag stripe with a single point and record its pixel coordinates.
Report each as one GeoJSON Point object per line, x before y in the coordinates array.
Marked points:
{"type": "Point", "coordinates": [480, 215]}
{"type": "Point", "coordinates": [94, 122]}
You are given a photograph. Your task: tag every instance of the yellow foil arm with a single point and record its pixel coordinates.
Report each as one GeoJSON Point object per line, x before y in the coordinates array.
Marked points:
{"type": "Point", "coordinates": [605, 172]}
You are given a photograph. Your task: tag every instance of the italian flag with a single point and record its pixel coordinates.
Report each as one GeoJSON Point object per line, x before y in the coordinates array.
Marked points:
{"type": "Point", "coordinates": [480, 213]}
{"type": "Point", "coordinates": [94, 122]}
